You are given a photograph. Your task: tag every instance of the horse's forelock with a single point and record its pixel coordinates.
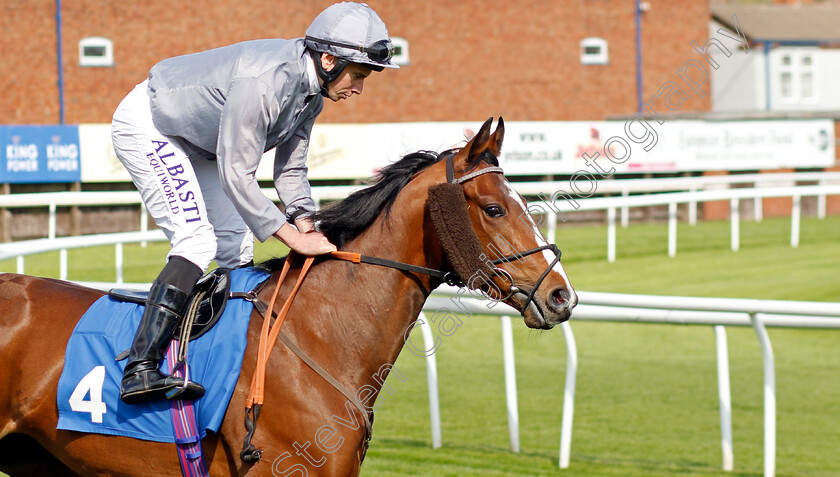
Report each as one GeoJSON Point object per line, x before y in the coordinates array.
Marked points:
{"type": "Point", "coordinates": [487, 157]}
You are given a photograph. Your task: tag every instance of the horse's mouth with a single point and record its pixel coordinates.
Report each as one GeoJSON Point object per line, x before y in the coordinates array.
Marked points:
{"type": "Point", "coordinates": [537, 315]}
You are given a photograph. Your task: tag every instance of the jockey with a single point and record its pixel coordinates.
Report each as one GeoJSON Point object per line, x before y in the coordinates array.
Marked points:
{"type": "Point", "coordinates": [191, 136]}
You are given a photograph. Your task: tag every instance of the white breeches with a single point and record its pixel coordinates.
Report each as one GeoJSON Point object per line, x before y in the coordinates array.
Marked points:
{"type": "Point", "coordinates": [183, 195]}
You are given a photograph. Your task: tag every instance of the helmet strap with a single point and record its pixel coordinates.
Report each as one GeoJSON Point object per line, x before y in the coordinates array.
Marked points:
{"type": "Point", "coordinates": [332, 75]}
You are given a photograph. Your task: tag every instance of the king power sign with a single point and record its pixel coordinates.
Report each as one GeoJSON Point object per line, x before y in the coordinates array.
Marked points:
{"type": "Point", "coordinates": [36, 154]}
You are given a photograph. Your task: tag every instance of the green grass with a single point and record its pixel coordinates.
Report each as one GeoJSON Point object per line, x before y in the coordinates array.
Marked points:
{"type": "Point", "coordinates": [764, 267]}
{"type": "Point", "coordinates": [646, 402]}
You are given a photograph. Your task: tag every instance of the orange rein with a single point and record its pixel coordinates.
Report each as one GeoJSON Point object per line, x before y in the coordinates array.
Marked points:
{"type": "Point", "coordinates": [269, 332]}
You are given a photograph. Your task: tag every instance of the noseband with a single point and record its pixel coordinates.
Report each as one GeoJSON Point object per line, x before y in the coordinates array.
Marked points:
{"type": "Point", "coordinates": [450, 177]}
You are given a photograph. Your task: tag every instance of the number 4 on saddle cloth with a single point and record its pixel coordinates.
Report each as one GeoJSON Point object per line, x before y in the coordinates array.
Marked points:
{"type": "Point", "coordinates": [89, 387]}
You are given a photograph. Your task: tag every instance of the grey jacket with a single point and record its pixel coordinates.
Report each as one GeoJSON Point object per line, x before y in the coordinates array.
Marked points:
{"type": "Point", "coordinates": [233, 104]}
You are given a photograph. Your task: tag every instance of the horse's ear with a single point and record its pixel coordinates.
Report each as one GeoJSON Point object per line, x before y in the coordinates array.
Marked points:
{"type": "Point", "coordinates": [478, 143]}
{"type": "Point", "coordinates": [495, 145]}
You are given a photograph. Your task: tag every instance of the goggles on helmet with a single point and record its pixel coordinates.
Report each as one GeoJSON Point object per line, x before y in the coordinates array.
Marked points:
{"type": "Point", "coordinates": [380, 52]}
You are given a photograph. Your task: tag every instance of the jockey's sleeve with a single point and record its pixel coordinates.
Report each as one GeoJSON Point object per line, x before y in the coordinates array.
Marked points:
{"type": "Point", "coordinates": [290, 172]}
{"type": "Point", "coordinates": [251, 108]}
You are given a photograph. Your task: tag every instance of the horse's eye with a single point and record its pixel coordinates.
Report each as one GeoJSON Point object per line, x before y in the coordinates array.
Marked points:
{"type": "Point", "coordinates": [494, 211]}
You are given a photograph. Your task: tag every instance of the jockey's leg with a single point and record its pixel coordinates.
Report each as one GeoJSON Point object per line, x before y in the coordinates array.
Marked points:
{"type": "Point", "coordinates": [234, 240]}
{"type": "Point", "coordinates": [164, 176]}
{"type": "Point", "coordinates": [165, 306]}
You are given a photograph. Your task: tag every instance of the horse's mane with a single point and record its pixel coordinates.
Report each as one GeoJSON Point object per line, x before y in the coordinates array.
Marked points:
{"type": "Point", "coordinates": [347, 219]}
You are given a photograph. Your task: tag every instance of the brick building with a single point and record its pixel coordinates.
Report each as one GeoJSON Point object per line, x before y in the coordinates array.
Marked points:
{"type": "Point", "coordinates": [469, 59]}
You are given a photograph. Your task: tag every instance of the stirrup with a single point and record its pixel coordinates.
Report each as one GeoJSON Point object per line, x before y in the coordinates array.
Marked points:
{"type": "Point", "coordinates": [187, 387]}
{"type": "Point", "coordinates": [163, 386]}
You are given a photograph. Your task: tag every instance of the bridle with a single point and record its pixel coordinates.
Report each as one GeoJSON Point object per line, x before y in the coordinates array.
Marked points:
{"type": "Point", "coordinates": [450, 277]}
{"type": "Point", "coordinates": [450, 177]}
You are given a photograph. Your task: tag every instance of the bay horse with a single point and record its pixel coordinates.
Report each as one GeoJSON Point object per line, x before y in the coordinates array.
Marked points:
{"type": "Point", "coordinates": [350, 318]}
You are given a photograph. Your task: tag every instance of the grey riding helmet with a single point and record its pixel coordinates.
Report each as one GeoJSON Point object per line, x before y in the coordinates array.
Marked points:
{"type": "Point", "coordinates": [353, 33]}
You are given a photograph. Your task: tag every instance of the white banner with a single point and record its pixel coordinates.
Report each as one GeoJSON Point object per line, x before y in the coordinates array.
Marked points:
{"type": "Point", "coordinates": [739, 145]}
{"type": "Point", "coordinates": [336, 151]}
{"type": "Point", "coordinates": [356, 151]}
{"type": "Point", "coordinates": [99, 162]}
{"type": "Point", "coordinates": [539, 148]}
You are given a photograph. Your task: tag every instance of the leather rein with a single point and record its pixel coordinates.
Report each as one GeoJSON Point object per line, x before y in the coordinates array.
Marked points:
{"type": "Point", "coordinates": [271, 332]}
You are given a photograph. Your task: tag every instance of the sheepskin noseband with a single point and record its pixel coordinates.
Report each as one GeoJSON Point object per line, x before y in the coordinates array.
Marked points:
{"type": "Point", "coordinates": [448, 209]}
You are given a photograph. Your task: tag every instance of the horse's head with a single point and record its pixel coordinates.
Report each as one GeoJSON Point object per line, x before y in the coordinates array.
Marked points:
{"type": "Point", "coordinates": [463, 208]}
{"type": "Point", "coordinates": [489, 237]}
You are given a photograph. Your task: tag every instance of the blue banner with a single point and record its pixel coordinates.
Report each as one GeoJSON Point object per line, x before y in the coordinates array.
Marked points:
{"type": "Point", "coordinates": [30, 154]}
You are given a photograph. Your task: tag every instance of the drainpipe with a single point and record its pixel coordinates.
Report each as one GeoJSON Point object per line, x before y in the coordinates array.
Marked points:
{"type": "Point", "coordinates": [639, 56]}
{"type": "Point", "coordinates": [767, 75]}
{"type": "Point", "coordinates": [60, 62]}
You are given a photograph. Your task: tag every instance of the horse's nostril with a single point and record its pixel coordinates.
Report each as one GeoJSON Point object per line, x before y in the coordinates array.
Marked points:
{"type": "Point", "coordinates": [558, 299]}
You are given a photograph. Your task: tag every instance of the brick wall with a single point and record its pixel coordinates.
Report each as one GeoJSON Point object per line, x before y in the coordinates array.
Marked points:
{"type": "Point", "coordinates": [777, 206]}
{"type": "Point", "coordinates": [28, 72]}
{"type": "Point", "coordinates": [470, 59]}
{"type": "Point", "coordinates": [715, 209]}
{"type": "Point", "coordinates": [832, 202]}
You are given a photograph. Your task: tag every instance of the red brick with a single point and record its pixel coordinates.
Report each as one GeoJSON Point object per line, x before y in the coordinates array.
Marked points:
{"type": "Point", "coordinates": [777, 206]}
{"type": "Point", "coordinates": [469, 59]}
{"type": "Point", "coordinates": [715, 209]}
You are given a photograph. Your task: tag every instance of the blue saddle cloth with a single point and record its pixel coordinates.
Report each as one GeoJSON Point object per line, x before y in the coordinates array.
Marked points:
{"type": "Point", "coordinates": [89, 387]}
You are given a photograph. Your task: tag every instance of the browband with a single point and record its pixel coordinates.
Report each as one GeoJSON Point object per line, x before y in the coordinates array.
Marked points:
{"type": "Point", "coordinates": [450, 171]}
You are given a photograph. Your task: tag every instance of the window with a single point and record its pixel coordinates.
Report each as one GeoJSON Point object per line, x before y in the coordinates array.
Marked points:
{"type": "Point", "coordinates": [593, 51]}
{"type": "Point", "coordinates": [400, 51]}
{"type": "Point", "coordinates": [796, 75]}
{"type": "Point", "coordinates": [807, 85]}
{"type": "Point", "coordinates": [806, 77]}
{"type": "Point", "coordinates": [787, 87]}
{"type": "Point", "coordinates": [96, 51]}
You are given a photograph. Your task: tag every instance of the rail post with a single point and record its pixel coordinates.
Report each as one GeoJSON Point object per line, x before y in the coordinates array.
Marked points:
{"type": "Point", "coordinates": [724, 397]}
{"type": "Point", "coordinates": [510, 383]}
{"type": "Point", "coordinates": [568, 396]}
{"type": "Point", "coordinates": [769, 395]}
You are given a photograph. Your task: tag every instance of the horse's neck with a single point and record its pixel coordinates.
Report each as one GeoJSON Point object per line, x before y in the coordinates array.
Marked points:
{"type": "Point", "coordinates": [360, 312]}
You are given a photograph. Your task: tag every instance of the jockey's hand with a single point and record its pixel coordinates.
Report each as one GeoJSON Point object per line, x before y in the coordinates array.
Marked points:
{"type": "Point", "coordinates": [309, 243]}
{"type": "Point", "coordinates": [305, 224]}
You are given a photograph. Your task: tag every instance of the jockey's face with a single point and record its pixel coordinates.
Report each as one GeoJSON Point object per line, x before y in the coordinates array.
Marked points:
{"type": "Point", "coordinates": [349, 82]}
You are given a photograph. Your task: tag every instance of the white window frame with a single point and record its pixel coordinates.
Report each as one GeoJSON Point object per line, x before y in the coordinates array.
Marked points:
{"type": "Point", "coordinates": [402, 58]}
{"type": "Point", "coordinates": [600, 58]}
{"type": "Point", "coordinates": [96, 60]}
{"type": "Point", "coordinates": [797, 71]}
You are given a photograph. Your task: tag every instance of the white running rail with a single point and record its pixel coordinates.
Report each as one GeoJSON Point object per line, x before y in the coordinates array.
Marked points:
{"type": "Point", "coordinates": [715, 312]}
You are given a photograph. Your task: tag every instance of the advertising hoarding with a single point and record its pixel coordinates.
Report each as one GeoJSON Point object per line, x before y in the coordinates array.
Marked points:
{"type": "Point", "coordinates": [36, 154]}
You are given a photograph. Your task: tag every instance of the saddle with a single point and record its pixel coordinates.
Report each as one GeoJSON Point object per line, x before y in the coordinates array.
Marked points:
{"type": "Point", "coordinates": [213, 289]}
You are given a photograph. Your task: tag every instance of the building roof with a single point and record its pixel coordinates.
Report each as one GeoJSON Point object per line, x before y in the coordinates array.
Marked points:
{"type": "Point", "coordinates": [814, 23]}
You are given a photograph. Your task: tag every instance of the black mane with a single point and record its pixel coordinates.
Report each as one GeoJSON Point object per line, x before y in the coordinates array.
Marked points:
{"type": "Point", "coordinates": [347, 219]}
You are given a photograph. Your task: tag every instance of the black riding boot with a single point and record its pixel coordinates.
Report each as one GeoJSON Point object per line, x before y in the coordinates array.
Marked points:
{"type": "Point", "coordinates": [141, 380]}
